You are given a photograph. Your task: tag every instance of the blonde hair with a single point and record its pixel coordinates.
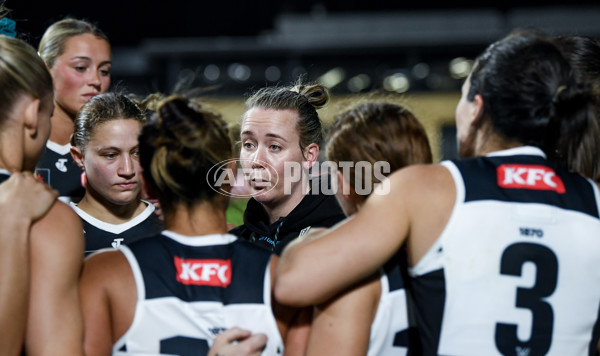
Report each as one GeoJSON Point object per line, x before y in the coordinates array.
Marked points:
{"type": "Point", "coordinates": [21, 72]}
{"type": "Point", "coordinates": [52, 44]}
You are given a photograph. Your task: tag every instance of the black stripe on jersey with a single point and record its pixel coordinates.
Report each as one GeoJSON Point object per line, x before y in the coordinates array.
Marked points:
{"type": "Point", "coordinates": [479, 175]}
{"type": "Point", "coordinates": [68, 180]}
{"type": "Point", "coordinates": [97, 238]}
{"type": "Point", "coordinates": [156, 255]}
{"type": "Point", "coordinates": [430, 290]}
{"type": "Point", "coordinates": [3, 177]}
{"type": "Point", "coordinates": [392, 269]}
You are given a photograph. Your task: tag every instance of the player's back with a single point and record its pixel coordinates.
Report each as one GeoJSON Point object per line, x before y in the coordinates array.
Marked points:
{"type": "Point", "coordinates": [192, 288]}
{"type": "Point", "coordinates": [515, 271]}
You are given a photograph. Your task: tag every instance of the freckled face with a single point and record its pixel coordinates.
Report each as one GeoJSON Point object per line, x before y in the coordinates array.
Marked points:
{"type": "Point", "coordinates": [81, 72]}
{"type": "Point", "coordinates": [111, 161]}
{"type": "Point", "coordinates": [269, 139]}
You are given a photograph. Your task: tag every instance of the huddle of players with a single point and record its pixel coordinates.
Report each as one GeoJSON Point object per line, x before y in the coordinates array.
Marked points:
{"type": "Point", "coordinates": [448, 242]}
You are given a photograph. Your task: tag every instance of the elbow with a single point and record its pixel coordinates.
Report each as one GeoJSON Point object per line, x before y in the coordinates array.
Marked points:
{"type": "Point", "coordinates": [285, 291]}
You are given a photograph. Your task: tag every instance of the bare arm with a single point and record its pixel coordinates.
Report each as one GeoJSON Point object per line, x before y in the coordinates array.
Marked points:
{"type": "Point", "coordinates": [414, 208]}
{"type": "Point", "coordinates": [342, 326]}
{"type": "Point", "coordinates": [311, 271]}
{"type": "Point", "coordinates": [23, 200]}
{"type": "Point", "coordinates": [54, 324]}
{"type": "Point", "coordinates": [108, 300]}
{"type": "Point", "coordinates": [293, 323]}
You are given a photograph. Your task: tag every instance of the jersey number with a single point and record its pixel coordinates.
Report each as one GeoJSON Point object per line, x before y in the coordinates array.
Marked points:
{"type": "Point", "coordinates": [546, 265]}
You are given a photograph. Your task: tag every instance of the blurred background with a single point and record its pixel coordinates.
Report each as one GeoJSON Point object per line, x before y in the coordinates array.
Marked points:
{"type": "Point", "coordinates": [416, 53]}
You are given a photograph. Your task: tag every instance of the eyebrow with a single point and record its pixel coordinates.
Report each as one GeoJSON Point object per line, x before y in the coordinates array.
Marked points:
{"type": "Point", "coordinates": [116, 148]}
{"type": "Point", "coordinates": [85, 58]}
{"type": "Point", "coordinates": [250, 133]}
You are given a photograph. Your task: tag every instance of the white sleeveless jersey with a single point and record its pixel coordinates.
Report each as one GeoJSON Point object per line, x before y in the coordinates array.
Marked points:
{"type": "Point", "coordinates": [192, 288]}
{"type": "Point", "coordinates": [390, 334]}
{"type": "Point", "coordinates": [517, 269]}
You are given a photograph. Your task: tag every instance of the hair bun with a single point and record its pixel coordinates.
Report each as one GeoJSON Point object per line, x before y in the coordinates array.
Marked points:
{"type": "Point", "coordinates": [316, 94]}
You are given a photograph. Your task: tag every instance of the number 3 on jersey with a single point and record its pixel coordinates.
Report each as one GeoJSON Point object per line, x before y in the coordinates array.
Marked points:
{"type": "Point", "coordinates": [532, 298]}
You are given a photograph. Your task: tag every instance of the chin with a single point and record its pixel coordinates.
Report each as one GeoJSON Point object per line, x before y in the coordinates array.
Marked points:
{"type": "Point", "coordinates": [125, 200]}
{"type": "Point", "coordinates": [261, 196]}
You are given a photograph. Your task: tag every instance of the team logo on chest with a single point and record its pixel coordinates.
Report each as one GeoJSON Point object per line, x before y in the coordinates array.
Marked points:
{"type": "Point", "coordinates": [61, 164]}
{"type": "Point", "coordinates": [203, 272]}
{"type": "Point", "coordinates": [117, 243]}
{"type": "Point", "coordinates": [523, 176]}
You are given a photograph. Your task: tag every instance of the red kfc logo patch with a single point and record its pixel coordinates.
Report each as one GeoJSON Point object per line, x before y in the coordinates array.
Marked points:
{"type": "Point", "coordinates": [200, 272]}
{"type": "Point", "coordinates": [523, 176]}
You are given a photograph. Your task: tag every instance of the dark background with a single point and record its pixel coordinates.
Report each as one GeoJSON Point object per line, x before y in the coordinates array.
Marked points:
{"type": "Point", "coordinates": [157, 45]}
{"type": "Point", "coordinates": [128, 22]}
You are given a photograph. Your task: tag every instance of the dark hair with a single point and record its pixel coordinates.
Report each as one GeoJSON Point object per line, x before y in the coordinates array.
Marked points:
{"type": "Point", "coordinates": [100, 109]}
{"type": "Point", "coordinates": [378, 132]}
{"type": "Point", "coordinates": [21, 72]}
{"type": "Point", "coordinates": [305, 99]}
{"type": "Point", "coordinates": [584, 55]}
{"type": "Point", "coordinates": [531, 96]}
{"type": "Point", "coordinates": [178, 148]}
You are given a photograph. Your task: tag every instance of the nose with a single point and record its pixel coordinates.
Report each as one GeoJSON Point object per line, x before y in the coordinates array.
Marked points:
{"type": "Point", "coordinates": [258, 158]}
{"type": "Point", "coordinates": [95, 80]}
{"type": "Point", "coordinates": [126, 167]}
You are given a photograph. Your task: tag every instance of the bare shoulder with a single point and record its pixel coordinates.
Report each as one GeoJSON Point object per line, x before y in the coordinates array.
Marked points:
{"type": "Point", "coordinates": [423, 175]}
{"type": "Point", "coordinates": [109, 266]}
{"type": "Point", "coordinates": [428, 193]}
{"type": "Point", "coordinates": [60, 227]}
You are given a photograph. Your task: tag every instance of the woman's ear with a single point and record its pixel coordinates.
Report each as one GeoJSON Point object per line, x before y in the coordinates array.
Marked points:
{"type": "Point", "coordinates": [78, 157]}
{"type": "Point", "coordinates": [311, 155]}
{"type": "Point", "coordinates": [31, 115]}
{"type": "Point", "coordinates": [477, 108]}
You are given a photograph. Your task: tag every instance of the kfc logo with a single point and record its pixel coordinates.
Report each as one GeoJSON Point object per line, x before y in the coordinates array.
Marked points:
{"type": "Point", "coordinates": [210, 272]}
{"type": "Point", "coordinates": [518, 176]}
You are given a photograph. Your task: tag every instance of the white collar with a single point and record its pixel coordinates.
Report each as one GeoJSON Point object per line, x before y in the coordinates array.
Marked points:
{"type": "Point", "coordinates": [521, 150]}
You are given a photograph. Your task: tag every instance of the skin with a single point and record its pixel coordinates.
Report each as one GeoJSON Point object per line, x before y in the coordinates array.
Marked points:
{"type": "Point", "coordinates": [56, 242]}
{"type": "Point", "coordinates": [238, 342]}
{"type": "Point", "coordinates": [418, 218]}
{"type": "Point", "coordinates": [269, 139]}
{"type": "Point", "coordinates": [80, 73]}
{"type": "Point", "coordinates": [111, 163]}
{"type": "Point", "coordinates": [342, 325]}
{"type": "Point", "coordinates": [23, 201]}
{"type": "Point", "coordinates": [109, 294]}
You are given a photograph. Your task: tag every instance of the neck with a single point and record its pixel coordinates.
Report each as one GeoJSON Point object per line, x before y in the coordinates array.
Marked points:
{"type": "Point", "coordinates": [12, 149]}
{"type": "Point", "coordinates": [62, 126]}
{"type": "Point", "coordinates": [280, 209]}
{"type": "Point", "coordinates": [108, 212]}
{"type": "Point", "coordinates": [202, 218]}
{"type": "Point", "coordinates": [487, 143]}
